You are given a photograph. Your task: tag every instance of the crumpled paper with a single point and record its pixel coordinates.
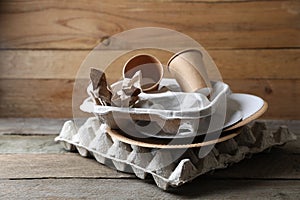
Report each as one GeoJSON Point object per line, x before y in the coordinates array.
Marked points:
{"type": "Point", "coordinates": [125, 92]}
{"type": "Point", "coordinates": [100, 93]}
{"type": "Point", "coordinates": [128, 93]}
{"type": "Point", "coordinates": [173, 101]}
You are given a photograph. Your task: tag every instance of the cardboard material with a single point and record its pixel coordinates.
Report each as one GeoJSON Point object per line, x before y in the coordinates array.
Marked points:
{"type": "Point", "coordinates": [188, 69]}
{"type": "Point", "coordinates": [100, 87]}
{"type": "Point", "coordinates": [125, 92]}
{"type": "Point", "coordinates": [172, 157]}
{"type": "Point", "coordinates": [166, 169]}
{"type": "Point", "coordinates": [150, 67]}
{"type": "Point", "coordinates": [171, 118]}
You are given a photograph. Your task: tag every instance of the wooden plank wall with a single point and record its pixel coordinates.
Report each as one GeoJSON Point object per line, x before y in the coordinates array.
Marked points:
{"type": "Point", "coordinates": [256, 45]}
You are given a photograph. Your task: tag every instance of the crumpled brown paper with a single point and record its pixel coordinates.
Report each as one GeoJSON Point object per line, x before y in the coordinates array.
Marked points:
{"type": "Point", "coordinates": [100, 91]}
{"type": "Point", "coordinates": [125, 92]}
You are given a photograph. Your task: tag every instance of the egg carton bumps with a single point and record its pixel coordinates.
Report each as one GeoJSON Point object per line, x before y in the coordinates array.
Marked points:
{"type": "Point", "coordinates": [93, 140]}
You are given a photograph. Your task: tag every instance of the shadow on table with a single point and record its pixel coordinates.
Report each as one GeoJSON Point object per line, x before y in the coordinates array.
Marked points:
{"type": "Point", "coordinates": [261, 169]}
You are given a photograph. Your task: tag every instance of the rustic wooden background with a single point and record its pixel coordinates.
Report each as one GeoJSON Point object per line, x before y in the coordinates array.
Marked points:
{"type": "Point", "coordinates": [256, 45]}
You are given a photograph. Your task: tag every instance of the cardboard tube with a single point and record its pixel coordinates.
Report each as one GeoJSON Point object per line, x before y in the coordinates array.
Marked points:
{"type": "Point", "coordinates": [150, 67]}
{"type": "Point", "coordinates": [188, 69]}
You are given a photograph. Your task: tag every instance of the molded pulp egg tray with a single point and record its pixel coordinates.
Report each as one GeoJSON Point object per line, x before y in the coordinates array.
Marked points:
{"type": "Point", "coordinates": [94, 139]}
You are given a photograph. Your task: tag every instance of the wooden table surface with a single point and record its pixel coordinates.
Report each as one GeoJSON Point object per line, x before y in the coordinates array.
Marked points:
{"type": "Point", "coordinates": [33, 166]}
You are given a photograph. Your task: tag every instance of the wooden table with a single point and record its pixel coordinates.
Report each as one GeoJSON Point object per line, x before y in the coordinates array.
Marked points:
{"type": "Point", "coordinates": [34, 166]}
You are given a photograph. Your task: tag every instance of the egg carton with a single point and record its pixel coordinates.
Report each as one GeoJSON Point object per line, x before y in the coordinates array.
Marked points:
{"type": "Point", "coordinates": [92, 140]}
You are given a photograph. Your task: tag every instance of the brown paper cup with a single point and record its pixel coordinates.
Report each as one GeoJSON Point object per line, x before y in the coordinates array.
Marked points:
{"type": "Point", "coordinates": [188, 69]}
{"type": "Point", "coordinates": [150, 67]}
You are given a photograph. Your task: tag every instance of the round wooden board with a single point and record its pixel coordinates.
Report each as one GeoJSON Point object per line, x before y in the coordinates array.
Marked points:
{"type": "Point", "coordinates": [231, 133]}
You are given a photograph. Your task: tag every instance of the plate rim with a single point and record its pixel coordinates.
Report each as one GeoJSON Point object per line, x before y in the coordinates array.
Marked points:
{"type": "Point", "coordinates": [115, 134]}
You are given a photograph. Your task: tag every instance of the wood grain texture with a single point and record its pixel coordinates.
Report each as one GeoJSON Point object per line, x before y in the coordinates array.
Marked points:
{"type": "Point", "coordinates": [53, 98]}
{"type": "Point", "coordinates": [30, 126]}
{"type": "Point", "coordinates": [55, 64]}
{"type": "Point", "coordinates": [215, 24]}
{"type": "Point", "coordinates": [29, 144]}
{"type": "Point", "coordinates": [255, 41]}
{"type": "Point", "coordinates": [69, 165]}
{"type": "Point", "coordinates": [36, 98]}
{"type": "Point", "coordinates": [136, 189]}
{"type": "Point", "coordinates": [256, 45]}
{"type": "Point", "coordinates": [31, 175]}
{"type": "Point", "coordinates": [281, 95]}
